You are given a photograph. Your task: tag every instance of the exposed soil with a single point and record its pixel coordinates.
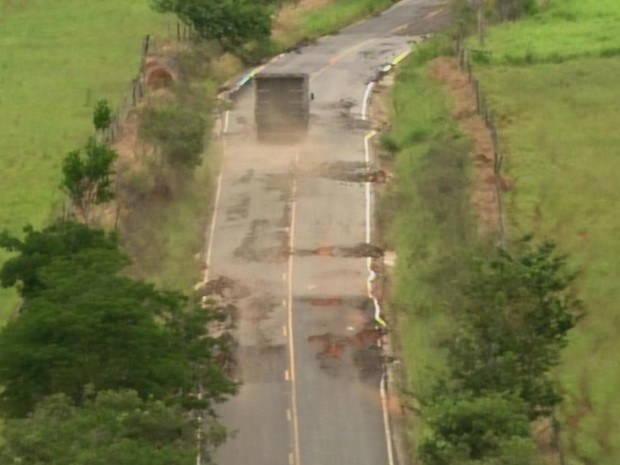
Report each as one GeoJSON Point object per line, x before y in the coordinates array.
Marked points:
{"type": "Point", "coordinates": [484, 193]}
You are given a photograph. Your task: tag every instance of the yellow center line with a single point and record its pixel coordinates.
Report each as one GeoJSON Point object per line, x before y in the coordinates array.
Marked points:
{"type": "Point", "coordinates": [338, 57]}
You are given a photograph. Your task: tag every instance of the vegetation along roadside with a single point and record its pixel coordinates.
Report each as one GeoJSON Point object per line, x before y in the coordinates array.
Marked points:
{"type": "Point", "coordinates": [550, 99]}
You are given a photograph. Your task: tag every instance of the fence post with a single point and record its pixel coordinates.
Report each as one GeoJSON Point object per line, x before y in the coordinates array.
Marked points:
{"type": "Point", "coordinates": [133, 92]}
{"type": "Point", "coordinates": [147, 44]}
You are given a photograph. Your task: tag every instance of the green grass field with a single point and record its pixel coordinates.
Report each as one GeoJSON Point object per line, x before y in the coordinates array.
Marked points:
{"type": "Point", "coordinates": [564, 29]}
{"type": "Point", "coordinates": [559, 129]}
{"type": "Point", "coordinates": [563, 152]}
{"type": "Point", "coordinates": [57, 59]}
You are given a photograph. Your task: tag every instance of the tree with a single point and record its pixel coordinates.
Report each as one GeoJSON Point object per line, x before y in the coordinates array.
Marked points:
{"type": "Point", "coordinates": [517, 311]}
{"type": "Point", "coordinates": [230, 22]}
{"type": "Point", "coordinates": [481, 430]}
{"type": "Point", "coordinates": [102, 115]}
{"type": "Point", "coordinates": [60, 240]}
{"type": "Point", "coordinates": [87, 176]}
{"type": "Point", "coordinates": [112, 428]}
{"type": "Point", "coordinates": [88, 325]}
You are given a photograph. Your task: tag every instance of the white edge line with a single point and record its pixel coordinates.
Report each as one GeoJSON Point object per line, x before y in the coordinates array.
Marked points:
{"type": "Point", "coordinates": [366, 98]}
{"type": "Point", "coordinates": [226, 119]}
{"type": "Point", "coordinates": [370, 135]}
{"type": "Point", "coordinates": [386, 420]}
{"type": "Point", "coordinates": [367, 187]}
{"type": "Point", "coordinates": [212, 227]}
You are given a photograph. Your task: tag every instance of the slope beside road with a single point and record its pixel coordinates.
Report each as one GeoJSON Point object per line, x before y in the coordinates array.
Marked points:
{"type": "Point", "coordinates": [287, 248]}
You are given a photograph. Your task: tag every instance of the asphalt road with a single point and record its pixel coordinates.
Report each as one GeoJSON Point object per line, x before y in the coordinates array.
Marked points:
{"type": "Point", "coordinates": [288, 223]}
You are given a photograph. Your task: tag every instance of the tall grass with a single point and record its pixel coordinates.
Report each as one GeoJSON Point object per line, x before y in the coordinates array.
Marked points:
{"type": "Point", "coordinates": [560, 131]}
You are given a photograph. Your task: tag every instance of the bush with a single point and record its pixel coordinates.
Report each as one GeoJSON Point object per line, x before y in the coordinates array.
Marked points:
{"type": "Point", "coordinates": [178, 132]}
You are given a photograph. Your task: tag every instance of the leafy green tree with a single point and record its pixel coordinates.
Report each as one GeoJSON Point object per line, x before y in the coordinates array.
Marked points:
{"type": "Point", "coordinates": [60, 240]}
{"type": "Point", "coordinates": [112, 428]}
{"type": "Point", "coordinates": [88, 325]}
{"type": "Point", "coordinates": [480, 430]}
{"type": "Point", "coordinates": [230, 22]}
{"type": "Point", "coordinates": [513, 323]}
{"type": "Point", "coordinates": [102, 115]}
{"type": "Point", "coordinates": [87, 176]}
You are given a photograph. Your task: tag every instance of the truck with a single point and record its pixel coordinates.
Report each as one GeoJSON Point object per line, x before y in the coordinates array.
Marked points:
{"type": "Point", "coordinates": [282, 105]}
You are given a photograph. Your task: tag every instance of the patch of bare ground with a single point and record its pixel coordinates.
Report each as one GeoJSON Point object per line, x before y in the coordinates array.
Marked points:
{"type": "Point", "coordinates": [484, 190]}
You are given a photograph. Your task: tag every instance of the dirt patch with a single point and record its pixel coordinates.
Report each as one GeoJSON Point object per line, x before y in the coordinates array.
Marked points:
{"type": "Point", "coordinates": [158, 76]}
{"type": "Point", "coordinates": [484, 191]}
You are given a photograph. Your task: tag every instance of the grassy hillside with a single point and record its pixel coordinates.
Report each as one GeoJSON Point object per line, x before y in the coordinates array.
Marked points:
{"type": "Point", "coordinates": [559, 129]}
{"type": "Point", "coordinates": [57, 59]}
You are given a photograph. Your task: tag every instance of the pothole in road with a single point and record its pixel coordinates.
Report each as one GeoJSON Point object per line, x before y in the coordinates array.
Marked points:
{"type": "Point", "coordinates": [360, 250]}
{"type": "Point", "coordinates": [367, 355]}
{"type": "Point", "coordinates": [264, 243]}
{"type": "Point", "coordinates": [334, 301]}
{"type": "Point", "coordinates": [325, 301]}
{"type": "Point", "coordinates": [224, 287]}
{"type": "Point", "coordinates": [352, 172]}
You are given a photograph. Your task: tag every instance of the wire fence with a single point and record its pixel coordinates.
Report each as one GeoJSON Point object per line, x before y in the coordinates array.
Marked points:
{"type": "Point", "coordinates": [132, 97]}
{"type": "Point", "coordinates": [176, 32]}
{"type": "Point", "coordinates": [463, 55]}
{"type": "Point", "coordinates": [482, 109]}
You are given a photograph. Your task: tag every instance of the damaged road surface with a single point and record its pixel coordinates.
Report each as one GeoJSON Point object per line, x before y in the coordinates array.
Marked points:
{"type": "Point", "coordinates": [289, 252]}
